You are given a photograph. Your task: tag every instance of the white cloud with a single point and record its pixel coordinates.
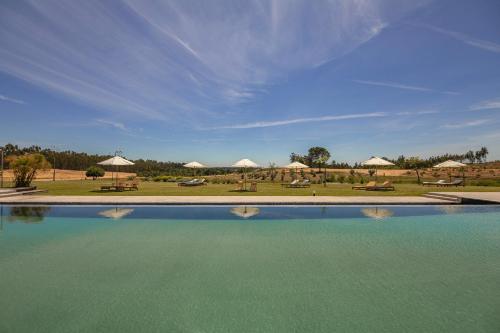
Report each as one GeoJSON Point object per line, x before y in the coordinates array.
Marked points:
{"type": "Point", "coordinates": [111, 123]}
{"type": "Point", "coordinates": [479, 43]}
{"type": "Point", "coordinates": [10, 99]}
{"type": "Point", "coordinates": [417, 113]}
{"type": "Point", "coordinates": [403, 86]}
{"type": "Point", "coordinates": [261, 124]}
{"type": "Point", "coordinates": [174, 60]}
{"type": "Point", "coordinates": [486, 105]}
{"type": "Point", "coordinates": [471, 123]}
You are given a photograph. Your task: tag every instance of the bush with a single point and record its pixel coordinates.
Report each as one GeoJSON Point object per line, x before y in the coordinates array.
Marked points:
{"type": "Point", "coordinates": [94, 172]}
{"type": "Point", "coordinates": [25, 168]}
{"type": "Point", "coordinates": [341, 179]}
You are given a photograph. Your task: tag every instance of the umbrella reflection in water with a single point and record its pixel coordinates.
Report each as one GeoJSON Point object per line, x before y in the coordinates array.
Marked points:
{"type": "Point", "coordinates": [245, 212]}
{"type": "Point", "coordinates": [377, 213]}
{"type": "Point", "coordinates": [116, 213]}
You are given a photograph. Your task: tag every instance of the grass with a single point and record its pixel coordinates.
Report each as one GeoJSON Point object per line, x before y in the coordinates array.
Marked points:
{"type": "Point", "coordinates": [89, 187]}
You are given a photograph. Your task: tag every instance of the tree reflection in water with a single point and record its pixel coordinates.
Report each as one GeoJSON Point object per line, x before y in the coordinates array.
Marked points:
{"type": "Point", "coordinates": [27, 214]}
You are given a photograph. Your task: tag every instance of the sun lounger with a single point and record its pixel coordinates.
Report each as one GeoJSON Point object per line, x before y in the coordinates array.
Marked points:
{"type": "Point", "coordinates": [107, 187]}
{"type": "Point", "coordinates": [195, 182]}
{"type": "Point", "coordinates": [239, 186]}
{"type": "Point", "coordinates": [302, 184]}
{"type": "Point", "coordinates": [188, 182]}
{"type": "Point", "coordinates": [363, 187]}
{"type": "Point", "coordinates": [386, 186]}
{"type": "Point", "coordinates": [294, 182]}
{"type": "Point", "coordinates": [439, 182]}
{"type": "Point", "coordinates": [130, 186]}
{"type": "Point", "coordinates": [456, 182]}
{"type": "Point", "coordinates": [298, 184]}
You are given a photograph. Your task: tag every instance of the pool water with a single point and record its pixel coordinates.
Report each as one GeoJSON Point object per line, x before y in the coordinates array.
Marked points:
{"type": "Point", "coordinates": [250, 269]}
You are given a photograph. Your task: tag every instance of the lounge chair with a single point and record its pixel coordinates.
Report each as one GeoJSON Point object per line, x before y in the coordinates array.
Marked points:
{"type": "Point", "coordinates": [302, 184]}
{"type": "Point", "coordinates": [363, 187]}
{"type": "Point", "coordinates": [188, 182]}
{"type": "Point", "coordinates": [456, 182]}
{"type": "Point", "coordinates": [294, 182]}
{"type": "Point", "coordinates": [107, 187]}
{"type": "Point", "coordinates": [131, 186]}
{"type": "Point", "coordinates": [386, 186]}
{"type": "Point", "coordinates": [239, 187]}
{"type": "Point", "coordinates": [196, 182]}
{"type": "Point", "coordinates": [439, 182]}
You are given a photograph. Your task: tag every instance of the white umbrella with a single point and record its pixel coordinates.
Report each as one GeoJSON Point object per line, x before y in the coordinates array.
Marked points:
{"type": "Point", "coordinates": [296, 165]}
{"type": "Point", "coordinates": [194, 165]}
{"type": "Point", "coordinates": [116, 161]}
{"type": "Point", "coordinates": [245, 163]}
{"type": "Point", "coordinates": [245, 212]}
{"type": "Point", "coordinates": [452, 164]}
{"type": "Point", "coordinates": [376, 161]}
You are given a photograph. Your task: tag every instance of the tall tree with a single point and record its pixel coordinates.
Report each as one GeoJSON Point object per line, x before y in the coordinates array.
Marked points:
{"type": "Point", "coordinates": [484, 153]}
{"type": "Point", "coordinates": [318, 156]}
{"type": "Point", "coordinates": [470, 156]}
{"type": "Point", "coordinates": [415, 163]}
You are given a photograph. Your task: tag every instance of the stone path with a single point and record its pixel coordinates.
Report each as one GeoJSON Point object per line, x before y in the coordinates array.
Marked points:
{"type": "Point", "coordinates": [473, 197]}
{"type": "Point", "coordinates": [221, 200]}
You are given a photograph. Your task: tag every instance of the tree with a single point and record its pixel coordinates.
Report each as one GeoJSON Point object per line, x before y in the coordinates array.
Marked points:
{"type": "Point", "coordinates": [272, 171]}
{"type": "Point", "coordinates": [318, 156]}
{"type": "Point", "coordinates": [294, 157]}
{"type": "Point", "coordinates": [415, 163]}
{"type": "Point", "coordinates": [94, 172]}
{"type": "Point", "coordinates": [470, 156]}
{"type": "Point", "coordinates": [26, 166]}
{"type": "Point", "coordinates": [481, 154]}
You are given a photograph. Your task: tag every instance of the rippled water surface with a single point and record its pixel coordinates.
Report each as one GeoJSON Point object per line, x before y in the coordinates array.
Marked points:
{"type": "Point", "coordinates": [250, 269]}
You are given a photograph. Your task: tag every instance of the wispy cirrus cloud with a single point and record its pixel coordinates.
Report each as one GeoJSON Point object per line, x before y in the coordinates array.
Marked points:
{"type": "Point", "coordinates": [10, 99]}
{"type": "Point", "coordinates": [465, 124]}
{"type": "Point", "coordinates": [475, 42]}
{"type": "Point", "coordinates": [403, 86]}
{"type": "Point", "coordinates": [111, 123]}
{"type": "Point", "coordinates": [174, 60]}
{"type": "Point", "coordinates": [486, 105]}
{"type": "Point", "coordinates": [417, 113]}
{"type": "Point", "coordinates": [261, 124]}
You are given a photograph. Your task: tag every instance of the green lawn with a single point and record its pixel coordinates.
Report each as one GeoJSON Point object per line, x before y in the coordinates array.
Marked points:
{"type": "Point", "coordinates": [89, 187]}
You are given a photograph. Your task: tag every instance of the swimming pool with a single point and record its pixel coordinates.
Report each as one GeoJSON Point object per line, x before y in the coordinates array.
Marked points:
{"type": "Point", "coordinates": [250, 269]}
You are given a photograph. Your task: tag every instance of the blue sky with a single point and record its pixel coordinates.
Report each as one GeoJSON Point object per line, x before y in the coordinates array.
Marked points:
{"type": "Point", "coordinates": [216, 81]}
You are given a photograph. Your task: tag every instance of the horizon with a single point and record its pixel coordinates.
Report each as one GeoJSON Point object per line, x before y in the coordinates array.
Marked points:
{"type": "Point", "coordinates": [175, 81]}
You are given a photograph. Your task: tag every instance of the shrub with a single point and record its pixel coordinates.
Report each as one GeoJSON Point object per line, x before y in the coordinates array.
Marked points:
{"type": "Point", "coordinates": [94, 172]}
{"type": "Point", "coordinates": [25, 168]}
{"type": "Point", "coordinates": [341, 179]}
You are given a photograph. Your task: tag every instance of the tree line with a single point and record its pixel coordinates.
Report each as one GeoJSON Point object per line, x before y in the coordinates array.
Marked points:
{"type": "Point", "coordinates": [318, 157]}
{"type": "Point", "coordinates": [71, 160]}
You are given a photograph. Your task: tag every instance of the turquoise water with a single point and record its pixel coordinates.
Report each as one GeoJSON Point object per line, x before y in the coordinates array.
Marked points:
{"type": "Point", "coordinates": [253, 269]}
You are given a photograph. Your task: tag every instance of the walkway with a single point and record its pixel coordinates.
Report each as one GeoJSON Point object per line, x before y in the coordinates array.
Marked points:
{"type": "Point", "coordinates": [473, 197]}
{"type": "Point", "coordinates": [221, 200]}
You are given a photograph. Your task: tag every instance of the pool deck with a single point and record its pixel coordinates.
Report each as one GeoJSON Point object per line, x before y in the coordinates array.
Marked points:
{"type": "Point", "coordinates": [222, 200]}
{"type": "Point", "coordinates": [472, 197]}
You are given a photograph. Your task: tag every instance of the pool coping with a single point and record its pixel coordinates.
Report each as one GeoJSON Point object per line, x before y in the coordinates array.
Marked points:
{"type": "Point", "coordinates": [225, 200]}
